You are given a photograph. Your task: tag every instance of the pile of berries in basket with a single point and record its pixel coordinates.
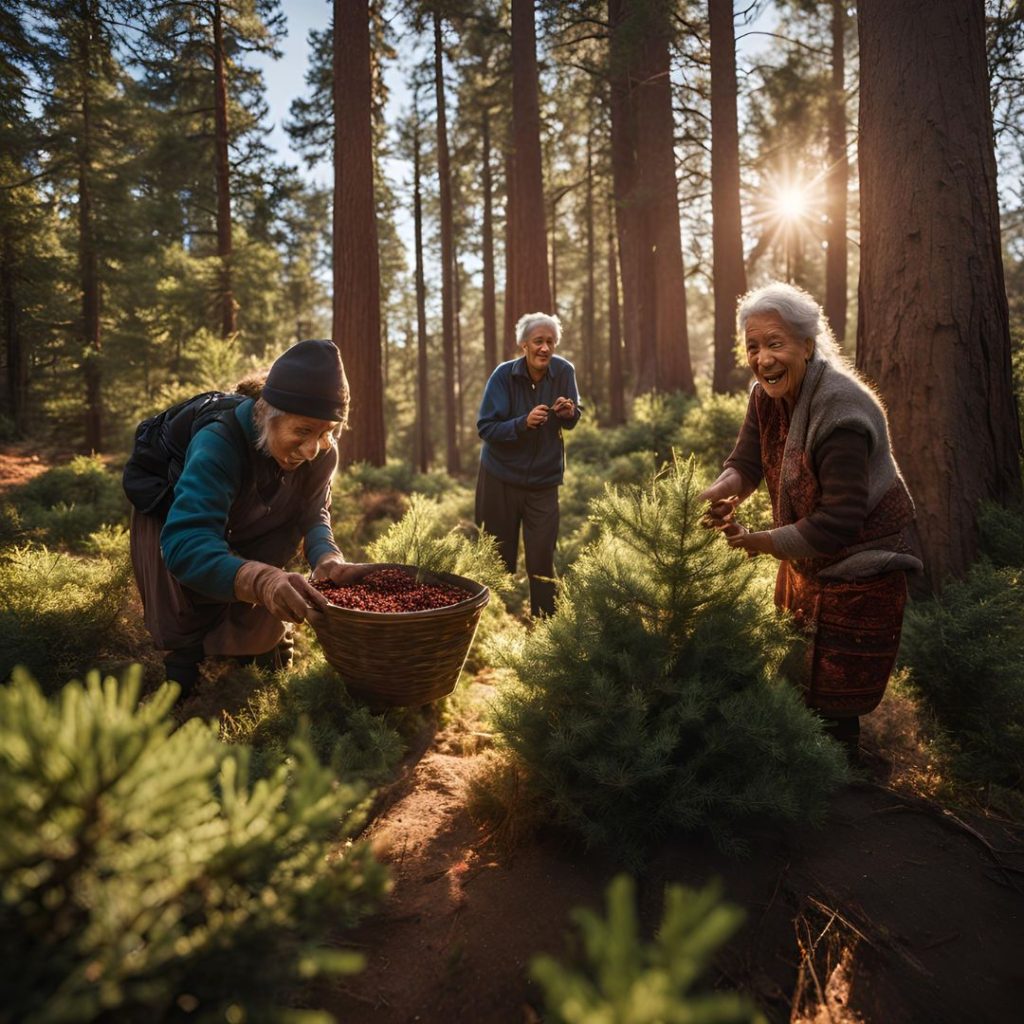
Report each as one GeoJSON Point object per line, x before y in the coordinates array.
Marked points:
{"type": "Point", "coordinates": [391, 590]}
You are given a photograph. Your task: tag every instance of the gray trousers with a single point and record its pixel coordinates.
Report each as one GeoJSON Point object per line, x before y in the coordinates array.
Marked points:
{"type": "Point", "coordinates": [502, 509]}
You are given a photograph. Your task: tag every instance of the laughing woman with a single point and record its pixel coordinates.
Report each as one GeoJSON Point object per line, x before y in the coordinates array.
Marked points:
{"type": "Point", "coordinates": [842, 514]}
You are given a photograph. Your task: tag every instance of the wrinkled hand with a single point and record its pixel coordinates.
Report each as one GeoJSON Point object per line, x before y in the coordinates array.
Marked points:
{"type": "Point", "coordinates": [286, 595]}
{"type": "Point", "coordinates": [757, 543]}
{"type": "Point", "coordinates": [537, 416]}
{"type": "Point", "coordinates": [720, 513]}
{"type": "Point", "coordinates": [333, 567]}
{"type": "Point", "coordinates": [564, 407]}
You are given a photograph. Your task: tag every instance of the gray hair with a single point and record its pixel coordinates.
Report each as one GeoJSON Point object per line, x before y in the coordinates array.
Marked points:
{"type": "Point", "coordinates": [527, 323]}
{"type": "Point", "coordinates": [263, 412]}
{"type": "Point", "coordinates": [798, 310]}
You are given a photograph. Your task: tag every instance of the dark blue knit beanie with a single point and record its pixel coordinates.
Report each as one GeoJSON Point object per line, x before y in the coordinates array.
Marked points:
{"type": "Point", "coordinates": [309, 380]}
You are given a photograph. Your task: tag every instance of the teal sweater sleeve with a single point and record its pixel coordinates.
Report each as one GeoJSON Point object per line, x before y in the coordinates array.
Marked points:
{"type": "Point", "coordinates": [193, 540]}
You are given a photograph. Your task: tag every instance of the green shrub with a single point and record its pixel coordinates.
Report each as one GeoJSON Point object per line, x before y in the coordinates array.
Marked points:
{"type": "Point", "coordinates": [63, 506]}
{"type": "Point", "coordinates": [343, 733]}
{"type": "Point", "coordinates": [57, 611]}
{"type": "Point", "coordinates": [710, 428]}
{"type": "Point", "coordinates": [1001, 531]}
{"type": "Point", "coordinates": [651, 700]}
{"type": "Point", "coordinates": [424, 537]}
{"type": "Point", "coordinates": [965, 651]}
{"type": "Point", "coordinates": [623, 980]}
{"type": "Point", "coordinates": [398, 476]}
{"type": "Point", "coordinates": [145, 880]}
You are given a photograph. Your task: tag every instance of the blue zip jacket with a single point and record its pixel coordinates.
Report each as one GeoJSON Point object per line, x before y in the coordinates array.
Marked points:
{"type": "Point", "coordinates": [206, 533]}
{"type": "Point", "coordinates": [512, 451]}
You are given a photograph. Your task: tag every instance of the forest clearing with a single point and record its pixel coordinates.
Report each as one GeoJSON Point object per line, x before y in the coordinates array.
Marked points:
{"type": "Point", "coordinates": [511, 512]}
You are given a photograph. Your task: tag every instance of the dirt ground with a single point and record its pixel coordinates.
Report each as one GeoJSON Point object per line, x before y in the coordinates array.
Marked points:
{"type": "Point", "coordinates": [896, 912]}
{"type": "Point", "coordinates": [19, 463]}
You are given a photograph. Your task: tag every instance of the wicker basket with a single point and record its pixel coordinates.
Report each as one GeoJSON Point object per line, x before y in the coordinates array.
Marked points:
{"type": "Point", "coordinates": [403, 659]}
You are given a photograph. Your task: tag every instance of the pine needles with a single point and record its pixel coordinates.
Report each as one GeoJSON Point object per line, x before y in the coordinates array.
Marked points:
{"type": "Point", "coordinates": [651, 700]}
{"type": "Point", "coordinates": [143, 874]}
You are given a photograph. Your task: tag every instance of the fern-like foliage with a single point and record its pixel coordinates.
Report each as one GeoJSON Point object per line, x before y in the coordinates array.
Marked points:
{"type": "Point", "coordinates": [651, 700]}
{"type": "Point", "coordinates": [57, 611]}
{"type": "Point", "coordinates": [422, 537]}
{"type": "Point", "coordinates": [144, 878]}
{"type": "Point", "coordinates": [965, 651]}
{"type": "Point", "coordinates": [623, 980]}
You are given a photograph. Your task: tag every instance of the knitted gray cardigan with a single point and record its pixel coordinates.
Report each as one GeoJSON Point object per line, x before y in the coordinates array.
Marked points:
{"type": "Point", "coordinates": [831, 398]}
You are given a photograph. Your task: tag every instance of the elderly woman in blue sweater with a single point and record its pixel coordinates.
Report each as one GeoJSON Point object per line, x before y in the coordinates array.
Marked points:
{"type": "Point", "coordinates": [212, 576]}
{"type": "Point", "coordinates": [527, 403]}
{"type": "Point", "coordinates": [843, 517]}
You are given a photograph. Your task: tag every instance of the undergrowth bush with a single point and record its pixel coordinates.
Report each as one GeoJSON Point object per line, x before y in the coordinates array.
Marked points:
{"type": "Point", "coordinates": [425, 537]}
{"type": "Point", "coordinates": [1001, 533]}
{"type": "Point", "coordinates": [145, 879]}
{"type": "Point", "coordinates": [341, 732]}
{"type": "Point", "coordinates": [64, 505]}
{"type": "Point", "coordinates": [58, 611]}
{"type": "Point", "coordinates": [709, 429]}
{"type": "Point", "coordinates": [965, 652]}
{"type": "Point", "coordinates": [651, 700]}
{"type": "Point", "coordinates": [617, 978]}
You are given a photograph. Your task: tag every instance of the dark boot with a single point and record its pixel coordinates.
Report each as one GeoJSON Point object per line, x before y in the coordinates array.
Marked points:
{"type": "Point", "coordinates": [847, 732]}
{"type": "Point", "coordinates": [276, 659]}
{"type": "Point", "coordinates": [182, 667]}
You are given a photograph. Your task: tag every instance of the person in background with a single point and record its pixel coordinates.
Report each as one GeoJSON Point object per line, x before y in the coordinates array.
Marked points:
{"type": "Point", "coordinates": [527, 403]}
{"type": "Point", "coordinates": [211, 576]}
{"type": "Point", "coordinates": [843, 517]}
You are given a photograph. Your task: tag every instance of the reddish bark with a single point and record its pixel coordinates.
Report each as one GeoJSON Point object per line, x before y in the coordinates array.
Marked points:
{"type": "Point", "coordinates": [356, 327]}
{"type": "Point", "coordinates": [730, 277]}
{"type": "Point", "coordinates": [528, 287]}
{"type": "Point", "coordinates": [487, 240]}
{"type": "Point", "coordinates": [616, 395]}
{"type": "Point", "coordinates": [652, 99]}
{"type": "Point", "coordinates": [424, 448]}
{"type": "Point", "coordinates": [933, 328]}
{"type": "Point", "coordinates": [447, 259]}
{"type": "Point", "coordinates": [836, 180]}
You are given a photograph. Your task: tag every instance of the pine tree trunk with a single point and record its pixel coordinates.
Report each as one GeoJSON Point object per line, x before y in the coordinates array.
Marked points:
{"type": "Point", "coordinates": [509, 316]}
{"type": "Point", "coordinates": [589, 296]}
{"type": "Point", "coordinates": [228, 325]}
{"type": "Point", "coordinates": [356, 324]}
{"type": "Point", "coordinates": [730, 277]}
{"type": "Point", "coordinates": [624, 173]}
{"type": "Point", "coordinates": [933, 322]}
{"type": "Point", "coordinates": [424, 453]}
{"type": "Point", "coordinates": [88, 257]}
{"type": "Point", "coordinates": [662, 245]}
{"type": "Point", "coordinates": [487, 241]}
{"type": "Point", "coordinates": [17, 367]}
{"type": "Point", "coordinates": [447, 260]}
{"type": "Point", "coordinates": [836, 180]}
{"type": "Point", "coordinates": [528, 288]}
{"type": "Point", "coordinates": [460, 408]}
{"type": "Point", "coordinates": [616, 391]}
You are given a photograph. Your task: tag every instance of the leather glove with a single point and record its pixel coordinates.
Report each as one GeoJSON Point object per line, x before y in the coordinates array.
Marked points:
{"type": "Point", "coordinates": [333, 567]}
{"type": "Point", "coordinates": [286, 595]}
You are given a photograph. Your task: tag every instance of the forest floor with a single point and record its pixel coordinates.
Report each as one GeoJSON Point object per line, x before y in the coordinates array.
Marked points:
{"type": "Point", "coordinates": [19, 463]}
{"type": "Point", "coordinates": [897, 910]}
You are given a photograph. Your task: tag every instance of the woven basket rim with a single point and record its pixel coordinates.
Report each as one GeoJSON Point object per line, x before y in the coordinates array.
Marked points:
{"type": "Point", "coordinates": [481, 596]}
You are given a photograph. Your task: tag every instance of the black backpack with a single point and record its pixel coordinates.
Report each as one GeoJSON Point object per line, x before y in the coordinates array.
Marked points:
{"type": "Point", "coordinates": [158, 455]}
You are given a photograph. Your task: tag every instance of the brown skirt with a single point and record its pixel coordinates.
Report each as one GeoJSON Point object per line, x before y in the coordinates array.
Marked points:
{"type": "Point", "coordinates": [853, 631]}
{"type": "Point", "coordinates": [177, 617]}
